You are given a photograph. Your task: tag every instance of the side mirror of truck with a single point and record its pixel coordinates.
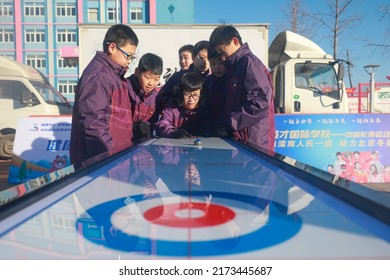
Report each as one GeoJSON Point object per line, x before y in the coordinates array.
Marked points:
{"type": "Point", "coordinates": [29, 99]}
{"type": "Point", "coordinates": [340, 75]}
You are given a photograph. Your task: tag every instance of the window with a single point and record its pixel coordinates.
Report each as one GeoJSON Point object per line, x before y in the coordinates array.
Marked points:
{"type": "Point", "coordinates": [6, 36]}
{"type": "Point", "coordinates": [66, 10]}
{"type": "Point", "coordinates": [36, 61]}
{"type": "Point", "coordinates": [93, 14]}
{"type": "Point", "coordinates": [6, 9]}
{"type": "Point", "coordinates": [11, 94]}
{"type": "Point", "coordinates": [66, 36]}
{"type": "Point", "coordinates": [67, 87]}
{"type": "Point", "coordinates": [317, 78]}
{"type": "Point", "coordinates": [34, 9]}
{"type": "Point", "coordinates": [63, 223]}
{"type": "Point", "coordinates": [9, 56]}
{"type": "Point", "coordinates": [62, 64]}
{"type": "Point", "coordinates": [111, 13]}
{"type": "Point", "coordinates": [35, 36]}
{"type": "Point", "coordinates": [136, 14]}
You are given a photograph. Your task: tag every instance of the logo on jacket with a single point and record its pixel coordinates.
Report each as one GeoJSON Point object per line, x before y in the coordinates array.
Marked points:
{"type": "Point", "coordinates": [234, 84]}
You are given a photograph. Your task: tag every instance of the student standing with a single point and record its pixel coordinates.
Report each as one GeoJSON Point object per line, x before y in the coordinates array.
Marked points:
{"type": "Point", "coordinates": [143, 92]}
{"type": "Point", "coordinates": [215, 88]}
{"type": "Point", "coordinates": [200, 65]}
{"type": "Point", "coordinates": [249, 105]}
{"type": "Point", "coordinates": [102, 117]}
{"type": "Point", "coordinates": [185, 56]}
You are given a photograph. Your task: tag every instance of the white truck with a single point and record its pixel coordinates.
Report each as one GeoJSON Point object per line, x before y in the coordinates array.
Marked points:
{"type": "Point", "coordinates": [24, 92]}
{"type": "Point", "coordinates": [306, 79]}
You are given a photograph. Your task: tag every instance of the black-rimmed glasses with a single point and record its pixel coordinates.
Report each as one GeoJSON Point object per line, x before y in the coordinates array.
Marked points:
{"type": "Point", "coordinates": [127, 56]}
{"type": "Point", "coordinates": [187, 95]}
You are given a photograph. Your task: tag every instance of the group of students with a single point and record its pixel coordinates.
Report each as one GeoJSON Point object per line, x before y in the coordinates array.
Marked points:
{"type": "Point", "coordinates": [222, 90]}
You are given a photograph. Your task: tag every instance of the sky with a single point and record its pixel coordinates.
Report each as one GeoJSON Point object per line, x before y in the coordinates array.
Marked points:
{"type": "Point", "coordinates": [369, 28]}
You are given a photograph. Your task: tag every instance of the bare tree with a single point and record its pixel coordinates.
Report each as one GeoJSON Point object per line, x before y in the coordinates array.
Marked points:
{"type": "Point", "coordinates": [298, 20]}
{"type": "Point", "coordinates": [336, 21]}
{"type": "Point", "coordinates": [385, 44]}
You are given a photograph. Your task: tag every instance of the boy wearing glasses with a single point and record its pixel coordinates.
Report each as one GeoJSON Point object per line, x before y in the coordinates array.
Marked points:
{"type": "Point", "coordinates": [143, 92]}
{"type": "Point", "coordinates": [200, 65]}
{"type": "Point", "coordinates": [184, 114]}
{"type": "Point", "coordinates": [102, 116]}
{"type": "Point", "coordinates": [249, 105]}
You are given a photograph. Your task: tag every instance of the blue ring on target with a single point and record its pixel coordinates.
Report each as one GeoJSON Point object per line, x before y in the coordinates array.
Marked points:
{"type": "Point", "coordinates": [273, 233]}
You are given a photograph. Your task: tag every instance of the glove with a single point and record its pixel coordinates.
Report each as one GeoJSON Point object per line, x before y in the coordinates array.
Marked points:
{"type": "Point", "coordinates": [219, 131]}
{"type": "Point", "coordinates": [141, 131]}
{"type": "Point", "coordinates": [180, 133]}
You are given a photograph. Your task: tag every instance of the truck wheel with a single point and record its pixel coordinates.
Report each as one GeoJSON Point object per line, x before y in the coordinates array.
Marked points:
{"type": "Point", "coordinates": [7, 145]}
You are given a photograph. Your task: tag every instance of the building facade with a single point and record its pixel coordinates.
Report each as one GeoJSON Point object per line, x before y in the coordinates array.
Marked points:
{"type": "Point", "coordinates": [42, 33]}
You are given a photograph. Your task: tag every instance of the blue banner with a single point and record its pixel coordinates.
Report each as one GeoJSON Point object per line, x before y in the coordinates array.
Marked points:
{"type": "Point", "coordinates": [353, 146]}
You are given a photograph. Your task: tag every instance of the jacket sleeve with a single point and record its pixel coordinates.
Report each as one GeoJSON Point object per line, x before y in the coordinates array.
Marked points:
{"type": "Point", "coordinates": [94, 111]}
{"type": "Point", "coordinates": [166, 126]}
{"type": "Point", "coordinates": [257, 89]}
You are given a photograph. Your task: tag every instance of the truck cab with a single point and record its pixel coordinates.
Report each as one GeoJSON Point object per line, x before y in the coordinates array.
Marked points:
{"type": "Point", "coordinates": [24, 91]}
{"type": "Point", "coordinates": [306, 80]}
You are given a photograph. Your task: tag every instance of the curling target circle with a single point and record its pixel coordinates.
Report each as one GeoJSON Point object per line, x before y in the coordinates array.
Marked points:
{"type": "Point", "coordinates": [189, 215]}
{"type": "Point", "coordinates": [247, 227]}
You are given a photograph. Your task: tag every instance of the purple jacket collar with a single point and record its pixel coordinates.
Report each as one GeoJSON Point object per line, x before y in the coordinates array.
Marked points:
{"type": "Point", "coordinates": [104, 59]}
{"type": "Point", "coordinates": [242, 51]}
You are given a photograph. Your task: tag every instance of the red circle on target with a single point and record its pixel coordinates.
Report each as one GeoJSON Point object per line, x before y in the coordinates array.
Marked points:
{"type": "Point", "coordinates": [198, 215]}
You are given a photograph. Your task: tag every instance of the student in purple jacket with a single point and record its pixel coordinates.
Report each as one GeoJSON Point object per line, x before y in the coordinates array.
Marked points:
{"type": "Point", "coordinates": [184, 115]}
{"type": "Point", "coordinates": [249, 105]}
{"type": "Point", "coordinates": [185, 56]}
{"type": "Point", "coordinates": [143, 94]}
{"type": "Point", "coordinates": [200, 65]}
{"type": "Point", "coordinates": [215, 88]}
{"type": "Point", "coordinates": [102, 117]}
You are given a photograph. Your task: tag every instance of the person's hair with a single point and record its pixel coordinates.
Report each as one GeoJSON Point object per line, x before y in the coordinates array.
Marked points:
{"type": "Point", "coordinates": [201, 45]}
{"type": "Point", "coordinates": [190, 81]}
{"type": "Point", "coordinates": [186, 48]}
{"type": "Point", "coordinates": [213, 54]}
{"type": "Point", "coordinates": [120, 34]}
{"type": "Point", "coordinates": [151, 62]}
{"type": "Point", "coordinates": [223, 35]}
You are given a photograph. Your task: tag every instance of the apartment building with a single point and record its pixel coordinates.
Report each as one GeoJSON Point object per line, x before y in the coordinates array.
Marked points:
{"type": "Point", "coordinates": [41, 33]}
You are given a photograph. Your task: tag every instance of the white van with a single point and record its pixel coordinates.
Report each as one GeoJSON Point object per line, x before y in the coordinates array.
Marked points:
{"type": "Point", "coordinates": [24, 91]}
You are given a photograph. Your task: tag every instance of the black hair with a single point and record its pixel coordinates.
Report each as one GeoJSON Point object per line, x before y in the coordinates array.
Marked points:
{"type": "Point", "coordinates": [186, 48]}
{"type": "Point", "coordinates": [120, 34]}
{"type": "Point", "coordinates": [201, 45]}
{"type": "Point", "coordinates": [190, 81]}
{"type": "Point", "coordinates": [151, 62]}
{"type": "Point", "coordinates": [223, 35]}
{"type": "Point", "coordinates": [213, 54]}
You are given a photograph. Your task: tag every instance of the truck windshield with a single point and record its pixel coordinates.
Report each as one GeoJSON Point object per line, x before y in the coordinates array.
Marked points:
{"type": "Point", "coordinates": [318, 78]}
{"type": "Point", "coordinates": [49, 93]}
